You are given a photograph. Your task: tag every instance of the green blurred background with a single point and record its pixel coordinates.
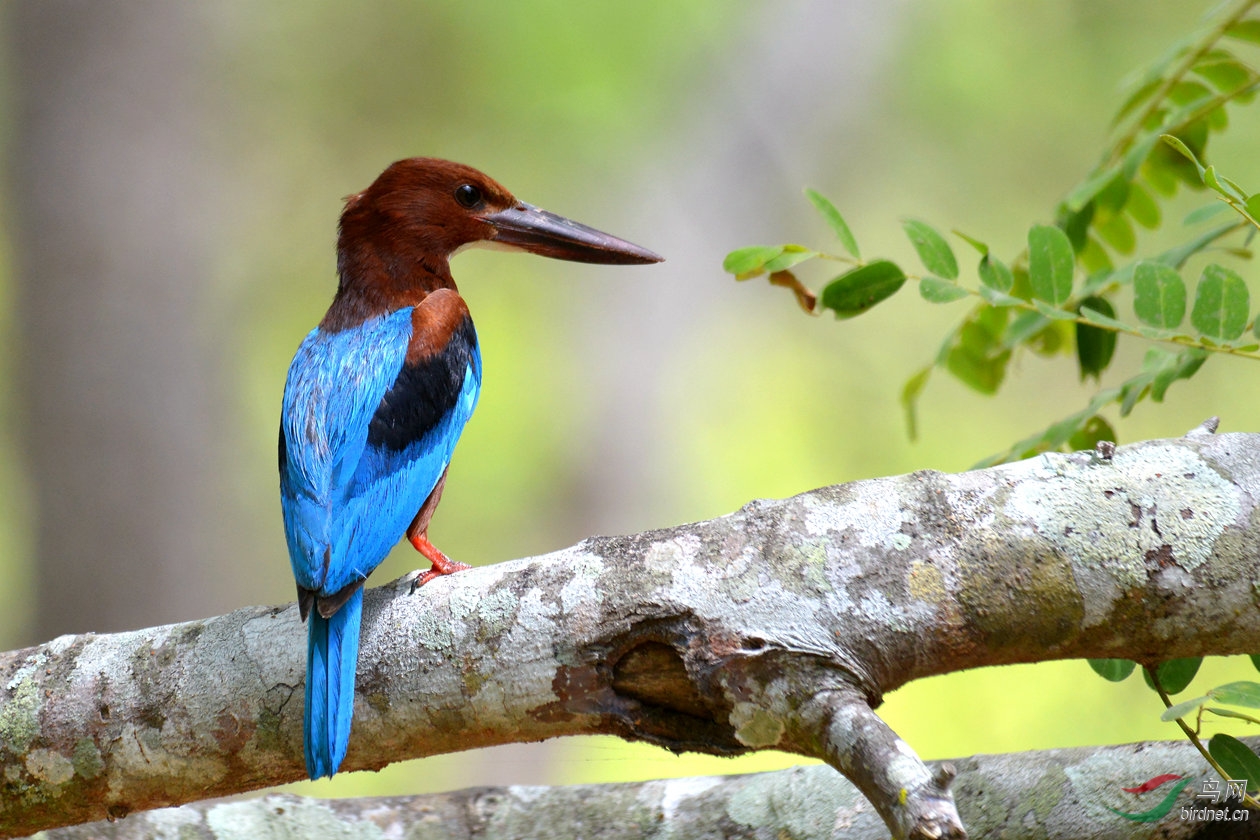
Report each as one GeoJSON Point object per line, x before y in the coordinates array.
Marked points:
{"type": "Point", "coordinates": [174, 176]}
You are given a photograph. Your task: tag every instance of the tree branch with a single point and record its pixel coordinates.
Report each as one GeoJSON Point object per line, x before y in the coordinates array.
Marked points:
{"type": "Point", "coordinates": [780, 625]}
{"type": "Point", "coordinates": [1051, 795]}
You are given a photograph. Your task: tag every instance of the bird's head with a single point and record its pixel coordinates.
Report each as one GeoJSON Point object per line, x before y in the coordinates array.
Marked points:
{"type": "Point", "coordinates": [421, 211]}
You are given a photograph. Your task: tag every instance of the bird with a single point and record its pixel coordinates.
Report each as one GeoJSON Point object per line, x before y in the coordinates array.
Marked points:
{"type": "Point", "coordinates": [378, 394]}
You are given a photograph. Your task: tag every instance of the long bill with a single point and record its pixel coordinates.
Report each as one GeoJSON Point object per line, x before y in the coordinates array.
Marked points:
{"type": "Point", "coordinates": [536, 230]}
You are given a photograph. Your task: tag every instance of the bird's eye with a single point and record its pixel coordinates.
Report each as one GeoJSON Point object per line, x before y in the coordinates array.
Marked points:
{"type": "Point", "coordinates": [468, 195]}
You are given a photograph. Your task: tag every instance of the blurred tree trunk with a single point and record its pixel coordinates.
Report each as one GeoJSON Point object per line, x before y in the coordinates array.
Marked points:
{"type": "Point", "coordinates": [108, 177]}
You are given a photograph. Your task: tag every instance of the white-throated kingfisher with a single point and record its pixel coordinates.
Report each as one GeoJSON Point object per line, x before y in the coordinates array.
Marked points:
{"type": "Point", "coordinates": [378, 394]}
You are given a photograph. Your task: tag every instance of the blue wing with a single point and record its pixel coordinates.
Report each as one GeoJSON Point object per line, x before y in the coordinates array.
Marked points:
{"type": "Point", "coordinates": [365, 436]}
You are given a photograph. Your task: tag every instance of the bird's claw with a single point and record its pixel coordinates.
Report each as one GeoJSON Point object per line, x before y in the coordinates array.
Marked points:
{"type": "Point", "coordinates": [446, 567]}
{"type": "Point", "coordinates": [442, 565]}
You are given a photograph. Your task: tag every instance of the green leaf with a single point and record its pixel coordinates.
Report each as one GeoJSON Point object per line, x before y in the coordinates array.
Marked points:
{"type": "Point", "coordinates": [1194, 134]}
{"type": "Point", "coordinates": [976, 354]}
{"type": "Point", "coordinates": [910, 399]}
{"type": "Point", "coordinates": [1053, 312]}
{"type": "Point", "coordinates": [934, 251]}
{"type": "Point", "coordinates": [1142, 207]}
{"type": "Point", "coordinates": [1111, 197]}
{"type": "Point", "coordinates": [981, 373]}
{"type": "Point", "coordinates": [1176, 257]}
{"type": "Point", "coordinates": [1166, 164]}
{"type": "Point", "coordinates": [1159, 170]}
{"type": "Point", "coordinates": [1175, 674]}
{"type": "Point", "coordinates": [1188, 94]}
{"type": "Point", "coordinates": [1113, 670]}
{"type": "Point", "coordinates": [999, 298]}
{"type": "Point", "coordinates": [1253, 206]}
{"type": "Point", "coordinates": [1226, 74]}
{"type": "Point", "coordinates": [1100, 320]}
{"type": "Point", "coordinates": [856, 291]}
{"type": "Point", "coordinates": [1159, 295]}
{"type": "Point", "coordinates": [1117, 231]}
{"type": "Point", "coordinates": [792, 254]}
{"type": "Point", "coordinates": [1183, 708]}
{"type": "Point", "coordinates": [1155, 334]}
{"type": "Point", "coordinates": [1096, 429]}
{"type": "Point", "coordinates": [1221, 184]}
{"type": "Point", "coordinates": [1076, 223]}
{"type": "Point", "coordinates": [1178, 144]}
{"type": "Point", "coordinates": [983, 328]}
{"type": "Point", "coordinates": [1181, 365]}
{"type": "Point", "coordinates": [1135, 388]}
{"type": "Point", "coordinates": [1236, 759]}
{"type": "Point", "coordinates": [1022, 286]}
{"type": "Point", "coordinates": [1082, 195]}
{"type": "Point", "coordinates": [1137, 156]}
{"type": "Point", "coordinates": [1232, 188]}
{"type": "Point", "coordinates": [1245, 30]}
{"type": "Point", "coordinates": [1221, 304]}
{"type": "Point", "coordinates": [1050, 264]}
{"type": "Point", "coordinates": [1241, 693]}
{"type": "Point", "coordinates": [833, 218]}
{"type": "Point", "coordinates": [995, 275]}
{"type": "Point", "coordinates": [973, 242]}
{"type": "Point", "coordinates": [1095, 346]}
{"type": "Point", "coordinates": [1140, 95]}
{"type": "Point", "coordinates": [1230, 713]}
{"type": "Point", "coordinates": [1106, 281]}
{"type": "Point", "coordinates": [936, 290]}
{"type": "Point", "coordinates": [1052, 339]}
{"type": "Point", "coordinates": [1217, 118]}
{"type": "Point", "coordinates": [1025, 326]}
{"type": "Point", "coordinates": [996, 319]}
{"type": "Point", "coordinates": [1058, 434]}
{"type": "Point", "coordinates": [1202, 214]}
{"type": "Point", "coordinates": [1159, 68]}
{"type": "Point", "coordinates": [1255, 661]}
{"type": "Point", "coordinates": [749, 262]}
{"type": "Point", "coordinates": [1093, 257]}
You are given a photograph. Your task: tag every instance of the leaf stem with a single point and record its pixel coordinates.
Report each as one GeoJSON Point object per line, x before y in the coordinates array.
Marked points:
{"type": "Point", "coordinates": [1126, 141]}
{"type": "Point", "coordinates": [1119, 327]}
{"type": "Point", "coordinates": [1248, 800]}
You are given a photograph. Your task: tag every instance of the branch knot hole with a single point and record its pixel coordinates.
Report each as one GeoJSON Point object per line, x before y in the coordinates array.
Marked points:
{"type": "Point", "coordinates": [653, 673]}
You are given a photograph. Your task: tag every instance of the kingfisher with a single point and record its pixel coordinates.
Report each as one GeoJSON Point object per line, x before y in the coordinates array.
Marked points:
{"type": "Point", "coordinates": [377, 397]}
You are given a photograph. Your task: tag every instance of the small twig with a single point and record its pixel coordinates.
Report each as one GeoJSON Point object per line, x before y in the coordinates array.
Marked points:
{"type": "Point", "coordinates": [1170, 81]}
{"type": "Point", "coordinates": [1248, 800]}
{"type": "Point", "coordinates": [1207, 427]}
{"type": "Point", "coordinates": [914, 801]}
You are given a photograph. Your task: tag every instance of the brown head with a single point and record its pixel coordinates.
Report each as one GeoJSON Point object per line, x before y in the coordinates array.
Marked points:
{"type": "Point", "coordinates": [397, 236]}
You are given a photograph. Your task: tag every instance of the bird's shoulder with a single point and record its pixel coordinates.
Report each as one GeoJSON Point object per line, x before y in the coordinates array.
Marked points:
{"type": "Point", "coordinates": [440, 371]}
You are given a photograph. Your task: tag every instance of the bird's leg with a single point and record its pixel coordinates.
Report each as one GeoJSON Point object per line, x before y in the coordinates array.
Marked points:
{"type": "Point", "coordinates": [418, 535]}
{"type": "Point", "coordinates": [442, 565]}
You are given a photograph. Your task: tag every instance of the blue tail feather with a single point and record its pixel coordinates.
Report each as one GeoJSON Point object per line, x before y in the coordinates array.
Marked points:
{"type": "Point", "coordinates": [332, 652]}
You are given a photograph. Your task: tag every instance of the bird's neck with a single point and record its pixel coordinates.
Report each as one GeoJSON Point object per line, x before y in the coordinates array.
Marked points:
{"type": "Point", "coordinates": [373, 284]}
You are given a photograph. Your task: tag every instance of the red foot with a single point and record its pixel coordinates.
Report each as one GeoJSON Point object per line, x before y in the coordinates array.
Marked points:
{"type": "Point", "coordinates": [442, 565]}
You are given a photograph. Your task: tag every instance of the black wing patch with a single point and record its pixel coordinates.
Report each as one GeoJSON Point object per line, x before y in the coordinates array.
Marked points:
{"type": "Point", "coordinates": [284, 450]}
{"type": "Point", "coordinates": [423, 393]}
